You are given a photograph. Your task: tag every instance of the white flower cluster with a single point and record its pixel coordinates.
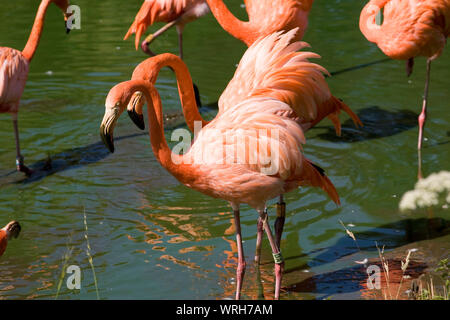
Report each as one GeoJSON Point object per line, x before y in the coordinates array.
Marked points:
{"type": "Point", "coordinates": [428, 192]}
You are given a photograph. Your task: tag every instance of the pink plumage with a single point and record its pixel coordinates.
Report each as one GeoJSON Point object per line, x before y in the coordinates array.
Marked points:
{"type": "Point", "coordinates": [14, 66]}
{"type": "Point", "coordinates": [252, 151]}
{"type": "Point", "coordinates": [13, 77]}
{"type": "Point", "coordinates": [153, 11]}
{"type": "Point", "coordinates": [410, 28]}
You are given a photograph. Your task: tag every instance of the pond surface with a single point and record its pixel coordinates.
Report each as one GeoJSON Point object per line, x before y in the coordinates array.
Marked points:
{"type": "Point", "coordinates": [151, 237]}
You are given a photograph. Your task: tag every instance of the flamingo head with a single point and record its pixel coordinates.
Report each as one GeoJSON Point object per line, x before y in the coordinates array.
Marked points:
{"type": "Point", "coordinates": [122, 96]}
{"type": "Point", "coordinates": [12, 229]}
{"type": "Point", "coordinates": [64, 5]}
{"type": "Point", "coordinates": [116, 103]}
{"type": "Point", "coordinates": [368, 19]}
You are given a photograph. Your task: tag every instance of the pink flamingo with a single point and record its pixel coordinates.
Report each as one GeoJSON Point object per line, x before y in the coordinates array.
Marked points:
{"type": "Point", "coordinates": [247, 78]}
{"type": "Point", "coordinates": [14, 66]}
{"type": "Point", "coordinates": [265, 17]}
{"type": "Point", "coordinates": [410, 28]}
{"type": "Point", "coordinates": [174, 12]}
{"type": "Point", "coordinates": [10, 231]}
{"type": "Point", "coordinates": [283, 93]}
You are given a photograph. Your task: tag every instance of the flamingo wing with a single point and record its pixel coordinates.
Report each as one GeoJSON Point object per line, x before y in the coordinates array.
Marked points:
{"type": "Point", "coordinates": [13, 76]}
{"type": "Point", "coordinates": [272, 67]}
{"type": "Point", "coordinates": [254, 147]}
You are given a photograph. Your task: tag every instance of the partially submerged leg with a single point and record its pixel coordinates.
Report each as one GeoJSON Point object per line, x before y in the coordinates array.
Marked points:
{"type": "Point", "coordinates": [278, 258]}
{"type": "Point", "coordinates": [423, 114]}
{"type": "Point", "coordinates": [241, 259]}
{"type": "Point", "coordinates": [259, 236]}
{"type": "Point", "coordinates": [279, 222]}
{"type": "Point", "coordinates": [19, 158]}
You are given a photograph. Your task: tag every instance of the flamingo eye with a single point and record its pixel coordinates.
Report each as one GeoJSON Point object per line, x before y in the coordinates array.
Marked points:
{"type": "Point", "coordinates": [379, 17]}
{"type": "Point", "coordinates": [117, 106]}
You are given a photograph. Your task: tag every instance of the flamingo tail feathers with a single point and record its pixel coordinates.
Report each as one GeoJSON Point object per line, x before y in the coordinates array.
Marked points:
{"type": "Point", "coordinates": [146, 16]}
{"type": "Point", "coordinates": [317, 178]}
{"type": "Point", "coordinates": [338, 105]}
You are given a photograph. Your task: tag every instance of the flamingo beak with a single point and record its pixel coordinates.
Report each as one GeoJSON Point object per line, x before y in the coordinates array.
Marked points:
{"type": "Point", "coordinates": [64, 6]}
{"type": "Point", "coordinates": [13, 229]}
{"type": "Point", "coordinates": [135, 110]}
{"type": "Point", "coordinates": [107, 127]}
{"type": "Point", "coordinates": [66, 24]}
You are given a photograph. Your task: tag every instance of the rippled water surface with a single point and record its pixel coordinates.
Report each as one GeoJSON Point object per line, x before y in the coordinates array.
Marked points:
{"type": "Point", "coordinates": [151, 237]}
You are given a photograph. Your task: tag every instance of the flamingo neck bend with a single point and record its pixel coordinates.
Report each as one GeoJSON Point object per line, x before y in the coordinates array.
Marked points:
{"type": "Point", "coordinates": [149, 70]}
{"type": "Point", "coordinates": [169, 160]}
{"type": "Point", "coordinates": [36, 31]}
{"type": "Point", "coordinates": [237, 28]}
{"type": "Point", "coordinates": [367, 21]}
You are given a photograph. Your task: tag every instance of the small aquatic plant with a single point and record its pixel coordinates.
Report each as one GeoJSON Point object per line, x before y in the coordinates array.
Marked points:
{"type": "Point", "coordinates": [425, 288]}
{"type": "Point", "coordinates": [88, 253]}
{"type": "Point", "coordinates": [65, 264]}
{"type": "Point", "coordinates": [428, 192]}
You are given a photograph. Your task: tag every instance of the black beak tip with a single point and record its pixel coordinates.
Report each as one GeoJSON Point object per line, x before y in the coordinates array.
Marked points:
{"type": "Point", "coordinates": [67, 27]}
{"type": "Point", "coordinates": [108, 141]}
{"type": "Point", "coordinates": [138, 119]}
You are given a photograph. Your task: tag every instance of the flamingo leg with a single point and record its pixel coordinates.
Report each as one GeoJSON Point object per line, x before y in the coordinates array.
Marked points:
{"type": "Point", "coordinates": [149, 39]}
{"type": "Point", "coordinates": [279, 262]}
{"type": "Point", "coordinates": [241, 259]}
{"type": "Point", "coordinates": [19, 158]}
{"type": "Point", "coordinates": [160, 31]}
{"type": "Point", "coordinates": [423, 114]}
{"type": "Point", "coordinates": [259, 284]}
{"type": "Point", "coordinates": [279, 222]}
{"type": "Point", "coordinates": [419, 164]}
{"type": "Point", "coordinates": [259, 236]}
{"type": "Point", "coordinates": [409, 66]}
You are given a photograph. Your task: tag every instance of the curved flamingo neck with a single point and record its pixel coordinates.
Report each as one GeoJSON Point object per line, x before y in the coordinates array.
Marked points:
{"type": "Point", "coordinates": [36, 31]}
{"type": "Point", "coordinates": [367, 22]}
{"type": "Point", "coordinates": [237, 28]}
{"type": "Point", "coordinates": [172, 162]}
{"type": "Point", "coordinates": [149, 70]}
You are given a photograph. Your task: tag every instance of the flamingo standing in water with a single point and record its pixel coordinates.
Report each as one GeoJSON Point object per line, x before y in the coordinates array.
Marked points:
{"type": "Point", "coordinates": [174, 12]}
{"type": "Point", "coordinates": [265, 18]}
{"type": "Point", "coordinates": [14, 65]}
{"type": "Point", "coordinates": [10, 231]}
{"type": "Point", "coordinates": [247, 78]}
{"type": "Point", "coordinates": [275, 89]}
{"type": "Point", "coordinates": [410, 28]}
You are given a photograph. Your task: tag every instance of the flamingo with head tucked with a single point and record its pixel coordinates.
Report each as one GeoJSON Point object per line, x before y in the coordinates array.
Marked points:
{"type": "Point", "coordinates": [10, 231]}
{"type": "Point", "coordinates": [174, 12]}
{"type": "Point", "coordinates": [14, 67]}
{"type": "Point", "coordinates": [410, 28]}
{"type": "Point", "coordinates": [265, 18]}
{"type": "Point", "coordinates": [275, 90]}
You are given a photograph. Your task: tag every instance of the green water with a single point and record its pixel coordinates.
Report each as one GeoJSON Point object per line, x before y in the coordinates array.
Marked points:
{"type": "Point", "coordinates": [153, 238]}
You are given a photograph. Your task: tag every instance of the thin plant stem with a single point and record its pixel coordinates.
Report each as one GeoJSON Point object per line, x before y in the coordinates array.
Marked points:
{"type": "Point", "coordinates": [88, 252]}
{"type": "Point", "coordinates": [66, 258]}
